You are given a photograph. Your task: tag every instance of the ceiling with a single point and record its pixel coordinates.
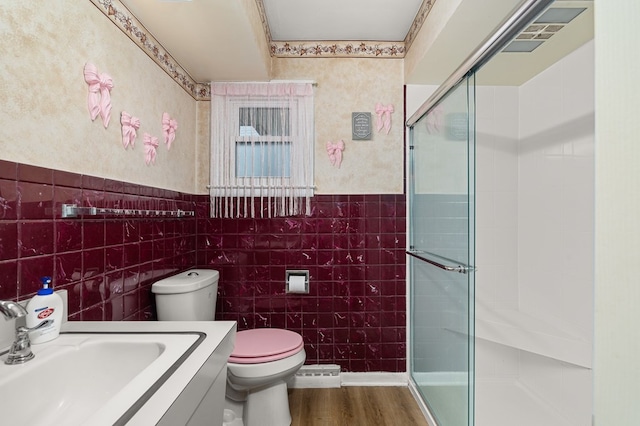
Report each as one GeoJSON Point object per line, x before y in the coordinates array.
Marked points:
{"type": "Point", "coordinates": [219, 40]}
{"type": "Point", "coordinates": [233, 40]}
{"type": "Point", "coordinates": [340, 20]}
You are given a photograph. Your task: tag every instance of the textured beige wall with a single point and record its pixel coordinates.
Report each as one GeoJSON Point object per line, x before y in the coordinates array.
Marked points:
{"type": "Point", "coordinates": [258, 32]}
{"type": "Point", "coordinates": [203, 150]}
{"type": "Point", "coordinates": [433, 25]}
{"type": "Point", "coordinates": [44, 115]}
{"type": "Point", "coordinates": [347, 85]}
{"type": "Point", "coordinates": [46, 122]}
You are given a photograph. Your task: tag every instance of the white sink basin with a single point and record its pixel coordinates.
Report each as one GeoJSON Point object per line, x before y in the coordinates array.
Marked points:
{"type": "Point", "coordinates": [91, 378]}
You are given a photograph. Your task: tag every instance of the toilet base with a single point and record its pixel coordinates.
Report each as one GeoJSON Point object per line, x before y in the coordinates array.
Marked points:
{"type": "Point", "coordinates": [231, 419]}
{"type": "Point", "coordinates": [268, 406]}
{"type": "Point", "coordinates": [264, 406]}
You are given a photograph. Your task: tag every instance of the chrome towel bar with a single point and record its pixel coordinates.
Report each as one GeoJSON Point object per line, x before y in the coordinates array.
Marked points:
{"type": "Point", "coordinates": [72, 210]}
{"type": "Point", "coordinates": [461, 268]}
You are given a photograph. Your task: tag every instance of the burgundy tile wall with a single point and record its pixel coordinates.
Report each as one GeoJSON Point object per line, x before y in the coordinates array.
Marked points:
{"type": "Point", "coordinates": [354, 249]}
{"type": "Point", "coordinates": [107, 263]}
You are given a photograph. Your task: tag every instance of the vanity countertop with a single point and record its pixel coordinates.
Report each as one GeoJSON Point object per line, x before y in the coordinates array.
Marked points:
{"type": "Point", "coordinates": [219, 339]}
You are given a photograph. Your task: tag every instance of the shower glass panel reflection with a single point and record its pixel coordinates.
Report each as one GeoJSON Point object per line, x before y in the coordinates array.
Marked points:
{"type": "Point", "coordinates": [441, 249]}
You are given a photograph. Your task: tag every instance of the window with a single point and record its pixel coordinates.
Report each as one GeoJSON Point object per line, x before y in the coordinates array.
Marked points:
{"type": "Point", "coordinates": [261, 149]}
{"type": "Point", "coordinates": [263, 159]}
{"type": "Point", "coordinates": [263, 143]}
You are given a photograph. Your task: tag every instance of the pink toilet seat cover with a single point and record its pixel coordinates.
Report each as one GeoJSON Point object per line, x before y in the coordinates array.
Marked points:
{"type": "Point", "coordinates": [264, 345]}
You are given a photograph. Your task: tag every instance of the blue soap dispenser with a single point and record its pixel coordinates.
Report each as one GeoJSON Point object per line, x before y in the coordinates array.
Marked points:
{"type": "Point", "coordinates": [46, 305]}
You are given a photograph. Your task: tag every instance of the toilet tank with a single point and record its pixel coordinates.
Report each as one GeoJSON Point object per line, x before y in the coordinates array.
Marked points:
{"type": "Point", "coordinates": [187, 296]}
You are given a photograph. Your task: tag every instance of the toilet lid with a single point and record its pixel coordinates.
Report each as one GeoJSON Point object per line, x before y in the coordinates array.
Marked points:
{"type": "Point", "coordinates": [265, 344]}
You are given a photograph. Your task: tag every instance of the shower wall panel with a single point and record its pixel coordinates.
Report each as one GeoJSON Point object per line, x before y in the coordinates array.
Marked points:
{"type": "Point", "coordinates": [535, 244]}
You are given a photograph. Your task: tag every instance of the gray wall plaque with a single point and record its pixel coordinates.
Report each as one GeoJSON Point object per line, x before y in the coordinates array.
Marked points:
{"type": "Point", "coordinates": [361, 126]}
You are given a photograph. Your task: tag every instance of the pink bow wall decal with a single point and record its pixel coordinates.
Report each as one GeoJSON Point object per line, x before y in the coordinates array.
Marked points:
{"type": "Point", "coordinates": [334, 149]}
{"type": "Point", "coordinates": [150, 146]}
{"type": "Point", "coordinates": [99, 100]}
{"type": "Point", "coordinates": [384, 117]}
{"type": "Point", "coordinates": [169, 127]}
{"type": "Point", "coordinates": [130, 125]}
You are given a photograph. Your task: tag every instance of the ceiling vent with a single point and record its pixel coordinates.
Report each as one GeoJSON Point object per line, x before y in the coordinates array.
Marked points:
{"type": "Point", "coordinates": [550, 22]}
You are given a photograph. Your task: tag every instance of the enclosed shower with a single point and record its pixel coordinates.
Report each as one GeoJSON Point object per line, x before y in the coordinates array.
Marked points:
{"type": "Point", "coordinates": [501, 227]}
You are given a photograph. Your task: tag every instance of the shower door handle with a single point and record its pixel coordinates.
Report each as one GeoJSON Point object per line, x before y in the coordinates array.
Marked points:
{"type": "Point", "coordinates": [456, 267]}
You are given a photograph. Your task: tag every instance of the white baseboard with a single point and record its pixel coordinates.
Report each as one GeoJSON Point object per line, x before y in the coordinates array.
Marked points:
{"type": "Point", "coordinates": [374, 379]}
{"type": "Point", "coordinates": [308, 382]}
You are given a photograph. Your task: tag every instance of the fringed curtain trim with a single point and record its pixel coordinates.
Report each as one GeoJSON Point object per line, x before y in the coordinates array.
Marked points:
{"type": "Point", "coordinates": [261, 149]}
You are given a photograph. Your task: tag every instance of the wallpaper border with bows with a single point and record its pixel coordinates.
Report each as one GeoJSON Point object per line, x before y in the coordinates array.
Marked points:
{"type": "Point", "coordinates": [133, 28]}
{"type": "Point", "coordinates": [345, 49]}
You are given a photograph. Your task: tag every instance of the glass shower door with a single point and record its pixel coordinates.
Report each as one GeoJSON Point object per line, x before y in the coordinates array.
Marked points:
{"type": "Point", "coordinates": [441, 249]}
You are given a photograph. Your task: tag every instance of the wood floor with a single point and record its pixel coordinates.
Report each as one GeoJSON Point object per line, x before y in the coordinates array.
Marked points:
{"type": "Point", "coordinates": [355, 406]}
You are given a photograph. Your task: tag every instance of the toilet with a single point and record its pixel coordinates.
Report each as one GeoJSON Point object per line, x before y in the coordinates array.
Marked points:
{"type": "Point", "coordinates": [262, 361]}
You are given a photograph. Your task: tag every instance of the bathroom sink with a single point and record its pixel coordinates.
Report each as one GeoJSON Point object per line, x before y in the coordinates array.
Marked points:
{"type": "Point", "coordinates": [91, 378]}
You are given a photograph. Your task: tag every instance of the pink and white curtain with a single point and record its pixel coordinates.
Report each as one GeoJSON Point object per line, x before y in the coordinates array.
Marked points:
{"type": "Point", "coordinates": [262, 147]}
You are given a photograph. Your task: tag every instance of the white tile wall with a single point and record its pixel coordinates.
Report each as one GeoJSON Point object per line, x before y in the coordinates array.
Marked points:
{"type": "Point", "coordinates": [535, 224]}
{"type": "Point", "coordinates": [496, 362]}
{"type": "Point", "coordinates": [496, 197]}
{"type": "Point", "coordinates": [556, 195]}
